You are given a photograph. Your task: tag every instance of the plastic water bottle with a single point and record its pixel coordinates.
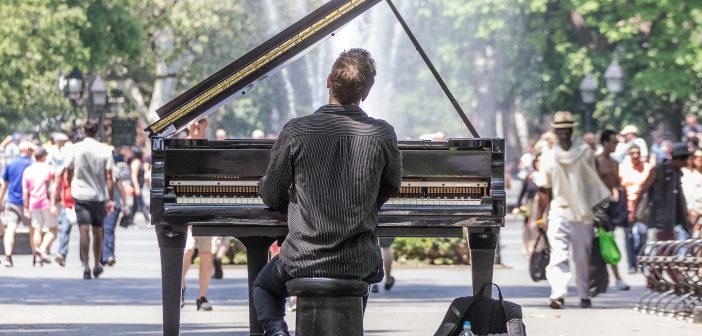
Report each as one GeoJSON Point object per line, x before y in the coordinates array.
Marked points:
{"type": "Point", "coordinates": [466, 329]}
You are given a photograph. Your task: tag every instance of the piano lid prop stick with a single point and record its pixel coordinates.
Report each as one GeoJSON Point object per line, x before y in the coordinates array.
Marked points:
{"type": "Point", "coordinates": [433, 70]}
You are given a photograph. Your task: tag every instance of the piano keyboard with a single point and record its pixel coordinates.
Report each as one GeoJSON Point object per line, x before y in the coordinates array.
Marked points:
{"type": "Point", "coordinates": [220, 200]}
{"type": "Point", "coordinates": [235, 191]}
{"type": "Point", "coordinates": [258, 201]}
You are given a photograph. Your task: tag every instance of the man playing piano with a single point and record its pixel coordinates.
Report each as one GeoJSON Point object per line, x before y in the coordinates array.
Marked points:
{"type": "Point", "coordinates": [332, 171]}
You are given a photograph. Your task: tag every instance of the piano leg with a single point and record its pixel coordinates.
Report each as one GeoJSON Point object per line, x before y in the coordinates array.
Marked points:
{"type": "Point", "coordinates": [256, 259]}
{"type": "Point", "coordinates": [482, 256]}
{"type": "Point", "coordinates": [171, 242]}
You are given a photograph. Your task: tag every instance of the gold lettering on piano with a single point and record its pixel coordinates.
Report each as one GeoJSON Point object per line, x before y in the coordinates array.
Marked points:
{"type": "Point", "coordinates": [255, 65]}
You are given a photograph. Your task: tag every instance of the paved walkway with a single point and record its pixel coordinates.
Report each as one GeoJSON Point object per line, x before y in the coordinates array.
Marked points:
{"type": "Point", "coordinates": [126, 299]}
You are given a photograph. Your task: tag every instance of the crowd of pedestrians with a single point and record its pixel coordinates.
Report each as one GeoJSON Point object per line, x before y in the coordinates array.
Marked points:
{"type": "Point", "coordinates": [69, 181]}
{"type": "Point", "coordinates": [573, 186]}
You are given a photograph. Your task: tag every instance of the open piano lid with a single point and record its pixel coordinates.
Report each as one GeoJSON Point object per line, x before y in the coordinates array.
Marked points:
{"type": "Point", "coordinates": [246, 72]}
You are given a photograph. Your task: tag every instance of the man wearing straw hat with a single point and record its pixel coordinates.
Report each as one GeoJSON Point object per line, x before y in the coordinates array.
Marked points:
{"type": "Point", "coordinates": [569, 175]}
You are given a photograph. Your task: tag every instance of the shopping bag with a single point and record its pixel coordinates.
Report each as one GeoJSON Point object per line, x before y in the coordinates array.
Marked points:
{"type": "Point", "coordinates": [599, 276]}
{"type": "Point", "coordinates": [608, 246]}
{"type": "Point", "coordinates": [539, 258]}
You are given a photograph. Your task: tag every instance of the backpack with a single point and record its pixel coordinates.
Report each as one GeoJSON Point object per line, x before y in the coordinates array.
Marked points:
{"type": "Point", "coordinates": [487, 316]}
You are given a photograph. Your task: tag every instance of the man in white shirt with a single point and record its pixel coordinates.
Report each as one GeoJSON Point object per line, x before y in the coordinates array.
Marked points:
{"type": "Point", "coordinates": [631, 136]}
{"type": "Point", "coordinates": [568, 173]}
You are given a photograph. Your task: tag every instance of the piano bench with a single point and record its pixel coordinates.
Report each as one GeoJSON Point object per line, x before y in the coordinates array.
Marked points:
{"type": "Point", "coordinates": [328, 306]}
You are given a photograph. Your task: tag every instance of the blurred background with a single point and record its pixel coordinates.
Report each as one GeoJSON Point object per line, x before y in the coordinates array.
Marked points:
{"type": "Point", "coordinates": [510, 63]}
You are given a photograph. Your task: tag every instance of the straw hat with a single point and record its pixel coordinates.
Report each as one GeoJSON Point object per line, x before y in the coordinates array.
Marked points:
{"type": "Point", "coordinates": [60, 137]}
{"type": "Point", "coordinates": [630, 129]}
{"type": "Point", "coordinates": [563, 119]}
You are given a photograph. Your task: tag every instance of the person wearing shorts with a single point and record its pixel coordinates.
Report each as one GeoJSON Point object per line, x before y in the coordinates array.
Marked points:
{"type": "Point", "coordinates": [35, 190]}
{"type": "Point", "coordinates": [205, 246]}
{"type": "Point", "coordinates": [89, 167]}
{"type": "Point", "coordinates": [385, 244]}
{"type": "Point", "coordinates": [14, 209]}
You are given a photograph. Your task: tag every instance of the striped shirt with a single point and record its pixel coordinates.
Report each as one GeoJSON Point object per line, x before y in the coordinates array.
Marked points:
{"type": "Point", "coordinates": [333, 170]}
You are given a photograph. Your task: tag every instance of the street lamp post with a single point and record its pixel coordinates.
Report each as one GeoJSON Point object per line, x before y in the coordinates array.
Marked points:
{"type": "Point", "coordinates": [98, 96]}
{"type": "Point", "coordinates": [588, 88]}
{"type": "Point", "coordinates": [74, 85]}
{"type": "Point", "coordinates": [92, 98]}
{"type": "Point", "coordinates": [614, 78]}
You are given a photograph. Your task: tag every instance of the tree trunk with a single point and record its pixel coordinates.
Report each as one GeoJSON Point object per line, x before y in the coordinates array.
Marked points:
{"type": "Point", "coordinates": [166, 72]}
{"type": "Point", "coordinates": [132, 92]}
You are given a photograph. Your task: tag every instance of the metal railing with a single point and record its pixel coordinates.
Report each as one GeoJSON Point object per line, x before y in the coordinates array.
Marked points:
{"type": "Point", "coordinates": [673, 271]}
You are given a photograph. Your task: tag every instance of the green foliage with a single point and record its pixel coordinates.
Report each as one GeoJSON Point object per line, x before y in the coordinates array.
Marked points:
{"type": "Point", "coordinates": [495, 55]}
{"type": "Point", "coordinates": [433, 251]}
{"type": "Point", "coordinates": [38, 38]}
{"type": "Point", "coordinates": [112, 30]}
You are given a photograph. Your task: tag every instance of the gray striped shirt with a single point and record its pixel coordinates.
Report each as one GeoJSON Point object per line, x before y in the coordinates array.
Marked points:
{"type": "Point", "coordinates": [333, 170]}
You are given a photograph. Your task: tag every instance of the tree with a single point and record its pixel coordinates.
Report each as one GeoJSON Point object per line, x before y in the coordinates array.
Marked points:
{"type": "Point", "coordinates": [41, 38]}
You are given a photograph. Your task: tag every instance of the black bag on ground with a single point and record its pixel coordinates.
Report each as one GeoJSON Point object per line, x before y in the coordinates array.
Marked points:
{"type": "Point", "coordinates": [486, 315]}
{"type": "Point", "coordinates": [124, 221]}
{"type": "Point", "coordinates": [539, 258]}
{"type": "Point", "coordinates": [599, 276]}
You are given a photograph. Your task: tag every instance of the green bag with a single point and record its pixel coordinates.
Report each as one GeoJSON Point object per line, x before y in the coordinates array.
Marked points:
{"type": "Point", "coordinates": [608, 247]}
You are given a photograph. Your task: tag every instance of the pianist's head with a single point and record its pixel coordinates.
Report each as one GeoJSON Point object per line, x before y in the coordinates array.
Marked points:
{"type": "Point", "coordinates": [90, 128]}
{"type": "Point", "coordinates": [351, 77]}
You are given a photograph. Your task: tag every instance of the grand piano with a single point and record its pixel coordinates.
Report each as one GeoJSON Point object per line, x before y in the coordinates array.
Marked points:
{"type": "Point", "coordinates": [447, 186]}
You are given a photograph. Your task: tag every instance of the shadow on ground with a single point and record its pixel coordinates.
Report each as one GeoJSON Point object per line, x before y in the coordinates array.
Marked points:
{"type": "Point", "coordinates": [123, 291]}
{"type": "Point", "coordinates": [121, 329]}
{"type": "Point", "coordinates": [107, 291]}
{"type": "Point", "coordinates": [140, 329]}
{"type": "Point", "coordinates": [526, 295]}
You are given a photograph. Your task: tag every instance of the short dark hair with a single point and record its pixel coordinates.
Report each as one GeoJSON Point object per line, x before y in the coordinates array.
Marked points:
{"type": "Point", "coordinates": [606, 135]}
{"type": "Point", "coordinates": [40, 153]}
{"type": "Point", "coordinates": [352, 74]}
{"type": "Point", "coordinates": [90, 128]}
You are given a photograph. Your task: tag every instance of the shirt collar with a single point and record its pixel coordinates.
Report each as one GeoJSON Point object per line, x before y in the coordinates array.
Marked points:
{"type": "Point", "coordinates": [342, 109]}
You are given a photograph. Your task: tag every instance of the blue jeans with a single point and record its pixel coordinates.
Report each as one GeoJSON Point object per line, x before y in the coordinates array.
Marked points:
{"type": "Point", "coordinates": [64, 232]}
{"type": "Point", "coordinates": [269, 295]}
{"type": "Point", "coordinates": [680, 233]}
{"type": "Point", "coordinates": [138, 205]}
{"type": "Point", "coordinates": [108, 227]}
{"type": "Point", "coordinates": [636, 237]}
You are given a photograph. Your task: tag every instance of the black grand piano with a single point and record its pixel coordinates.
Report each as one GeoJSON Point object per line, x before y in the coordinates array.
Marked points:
{"type": "Point", "coordinates": [447, 186]}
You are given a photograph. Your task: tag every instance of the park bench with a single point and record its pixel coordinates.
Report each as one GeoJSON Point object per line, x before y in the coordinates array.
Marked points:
{"type": "Point", "coordinates": [21, 241]}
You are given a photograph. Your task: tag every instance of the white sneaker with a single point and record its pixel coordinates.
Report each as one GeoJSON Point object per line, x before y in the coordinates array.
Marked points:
{"type": "Point", "coordinates": [621, 285]}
